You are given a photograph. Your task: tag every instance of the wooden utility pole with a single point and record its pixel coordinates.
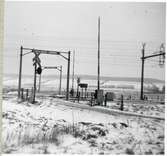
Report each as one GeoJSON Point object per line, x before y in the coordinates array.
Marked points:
{"type": "Point", "coordinates": [73, 70]}
{"type": "Point", "coordinates": [98, 68]}
{"type": "Point", "coordinates": [142, 71]}
{"type": "Point", "coordinates": [20, 71]}
{"type": "Point", "coordinates": [68, 76]}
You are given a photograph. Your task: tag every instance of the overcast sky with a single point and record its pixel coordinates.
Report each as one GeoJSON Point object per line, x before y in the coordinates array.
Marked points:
{"type": "Point", "coordinates": [72, 26]}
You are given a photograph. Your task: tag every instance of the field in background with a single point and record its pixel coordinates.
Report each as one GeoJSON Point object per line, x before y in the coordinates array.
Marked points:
{"type": "Point", "coordinates": [51, 84]}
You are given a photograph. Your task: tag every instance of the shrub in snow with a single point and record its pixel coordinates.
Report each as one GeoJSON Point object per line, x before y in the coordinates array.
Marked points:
{"type": "Point", "coordinates": [129, 151]}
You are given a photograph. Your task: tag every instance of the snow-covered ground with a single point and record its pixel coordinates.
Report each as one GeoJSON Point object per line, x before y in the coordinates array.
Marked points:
{"type": "Point", "coordinates": [141, 108]}
{"type": "Point", "coordinates": [50, 126]}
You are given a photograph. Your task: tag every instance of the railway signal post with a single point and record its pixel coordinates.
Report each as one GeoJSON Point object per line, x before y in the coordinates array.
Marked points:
{"type": "Point", "coordinates": [37, 52]}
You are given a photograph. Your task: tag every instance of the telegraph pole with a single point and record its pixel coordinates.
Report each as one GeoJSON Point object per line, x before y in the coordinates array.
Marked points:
{"type": "Point", "coordinates": [20, 71]}
{"type": "Point", "coordinates": [73, 70]}
{"type": "Point", "coordinates": [68, 76]}
{"type": "Point", "coordinates": [142, 71]}
{"type": "Point", "coordinates": [98, 68]}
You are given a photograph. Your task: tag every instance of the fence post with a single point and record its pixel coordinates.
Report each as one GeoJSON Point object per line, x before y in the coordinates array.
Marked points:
{"type": "Point", "coordinates": [78, 96]}
{"type": "Point", "coordinates": [122, 103]}
{"type": "Point", "coordinates": [32, 93]}
{"type": "Point", "coordinates": [91, 101]}
{"type": "Point", "coordinates": [105, 100]}
{"type": "Point", "coordinates": [26, 94]}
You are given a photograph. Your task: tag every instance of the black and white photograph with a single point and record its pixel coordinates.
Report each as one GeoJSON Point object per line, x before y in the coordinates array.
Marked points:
{"type": "Point", "coordinates": [83, 77]}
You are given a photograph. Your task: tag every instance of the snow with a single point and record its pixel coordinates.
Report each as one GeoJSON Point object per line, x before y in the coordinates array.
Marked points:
{"type": "Point", "coordinates": [146, 109]}
{"type": "Point", "coordinates": [53, 126]}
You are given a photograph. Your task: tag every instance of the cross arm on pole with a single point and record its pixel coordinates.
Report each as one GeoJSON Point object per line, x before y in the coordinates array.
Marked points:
{"type": "Point", "coordinates": [63, 56]}
{"type": "Point", "coordinates": [31, 50]}
{"type": "Point", "coordinates": [26, 53]}
{"type": "Point", "coordinates": [52, 53]}
{"type": "Point", "coordinates": [46, 52]}
{"type": "Point", "coordinates": [54, 67]}
{"type": "Point", "coordinates": [153, 55]}
{"type": "Point", "coordinates": [27, 49]}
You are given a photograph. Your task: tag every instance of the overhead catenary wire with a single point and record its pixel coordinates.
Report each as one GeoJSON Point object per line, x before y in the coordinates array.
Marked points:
{"type": "Point", "coordinates": [89, 39]}
{"type": "Point", "coordinates": [110, 48]}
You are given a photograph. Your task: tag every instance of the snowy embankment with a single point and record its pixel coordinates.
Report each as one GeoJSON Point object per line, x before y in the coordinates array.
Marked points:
{"type": "Point", "coordinates": [53, 126]}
